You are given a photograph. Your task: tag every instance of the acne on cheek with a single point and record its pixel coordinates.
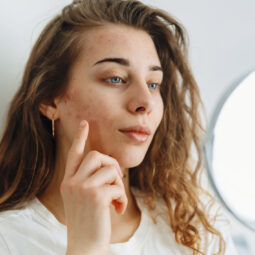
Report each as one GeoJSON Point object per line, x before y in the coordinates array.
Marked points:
{"type": "Point", "coordinates": [76, 108]}
{"type": "Point", "coordinates": [98, 120]}
{"type": "Point", "coordinates": [72, 106]}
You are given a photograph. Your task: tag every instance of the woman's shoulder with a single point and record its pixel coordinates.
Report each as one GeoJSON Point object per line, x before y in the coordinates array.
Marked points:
{"type": "Point", "coordinates": [13, 223]}
{"type": "Point", "coordinates": [31, 228]}
{"type": "Point", "coordinates": [19, 220]}
{"type": "Point", "coordinates": [10, 216]}
{"type": "Point", "coordinates": [29, 213]}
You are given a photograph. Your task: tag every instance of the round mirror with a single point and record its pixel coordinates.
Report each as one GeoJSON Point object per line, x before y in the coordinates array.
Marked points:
{"type": "Point", "coordinates": [229, 150]}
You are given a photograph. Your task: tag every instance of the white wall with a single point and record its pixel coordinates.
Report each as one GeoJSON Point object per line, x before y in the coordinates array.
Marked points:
{"type": "Point", "coordinates": [221, 32]}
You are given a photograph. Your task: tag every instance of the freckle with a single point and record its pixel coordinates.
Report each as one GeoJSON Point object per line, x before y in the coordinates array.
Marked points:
{"type": "Point", "coordinates": [78, 116]}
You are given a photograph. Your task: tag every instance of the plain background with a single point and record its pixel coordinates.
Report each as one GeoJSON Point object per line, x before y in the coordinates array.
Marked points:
{"type": "Point", "coordinates": [221, 46]}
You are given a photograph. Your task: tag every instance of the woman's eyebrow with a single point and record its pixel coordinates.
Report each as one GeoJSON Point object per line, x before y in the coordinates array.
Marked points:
{"type": "Point", "coordinates": [125, 62]}
{"type": "Point", "coordinates": [120, 61]}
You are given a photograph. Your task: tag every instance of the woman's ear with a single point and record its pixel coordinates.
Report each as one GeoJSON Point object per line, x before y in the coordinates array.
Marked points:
{"type": "Point", "coordinates": [49, 109]}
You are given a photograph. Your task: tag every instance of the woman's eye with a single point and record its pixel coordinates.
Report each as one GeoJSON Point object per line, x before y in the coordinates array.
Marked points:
{"type": "Point", "coordinates": [114, 80]}
{"type": "Point", "coordinates": [154, 85]}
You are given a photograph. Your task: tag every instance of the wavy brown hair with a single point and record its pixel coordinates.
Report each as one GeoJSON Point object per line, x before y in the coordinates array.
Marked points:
{"type": "Point", "coordinates": [27, 148]}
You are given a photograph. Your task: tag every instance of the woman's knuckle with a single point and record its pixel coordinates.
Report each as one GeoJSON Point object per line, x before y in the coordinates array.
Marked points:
{"type": "Point", "coordinates": [93, 154]}
{"type": "Point", "coordinates": [116, 162]}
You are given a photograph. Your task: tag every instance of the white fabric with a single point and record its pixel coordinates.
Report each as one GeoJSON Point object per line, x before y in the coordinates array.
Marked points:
{"type": "Point", "coordinates": [35, 230]}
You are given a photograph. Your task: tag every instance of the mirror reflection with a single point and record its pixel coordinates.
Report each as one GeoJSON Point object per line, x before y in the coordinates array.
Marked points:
{"type": "Point", "coordinates": [230, 151]}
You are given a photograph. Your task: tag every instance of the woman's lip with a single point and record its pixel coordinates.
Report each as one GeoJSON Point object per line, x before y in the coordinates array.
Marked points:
{"type": "Point", "coordinates": [137, 128]}
{"type": "Point", "coordinates": [140, 137]}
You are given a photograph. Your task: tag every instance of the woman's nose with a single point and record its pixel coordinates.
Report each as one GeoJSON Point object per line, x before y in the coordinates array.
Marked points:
{"type": "Point", "coordinates": [141, 99]}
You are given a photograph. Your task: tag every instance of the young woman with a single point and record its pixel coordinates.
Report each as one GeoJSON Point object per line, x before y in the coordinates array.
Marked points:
{"type": "Point", "coordinates": [95, 156]}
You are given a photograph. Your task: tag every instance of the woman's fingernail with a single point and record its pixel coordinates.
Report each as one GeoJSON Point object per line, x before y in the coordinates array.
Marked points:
{"type": "Point", "coordinates": [82, 123]}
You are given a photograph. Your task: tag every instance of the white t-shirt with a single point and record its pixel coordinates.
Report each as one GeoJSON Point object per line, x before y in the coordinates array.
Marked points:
{"type": "Point", "coordinates": [35, 230]}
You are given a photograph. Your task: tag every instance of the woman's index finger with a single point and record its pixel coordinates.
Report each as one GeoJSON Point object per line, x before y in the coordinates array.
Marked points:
{"type": "Point", "coordinates": [81, 137]}
{"type": "Point", "coordinates": [76, 151]}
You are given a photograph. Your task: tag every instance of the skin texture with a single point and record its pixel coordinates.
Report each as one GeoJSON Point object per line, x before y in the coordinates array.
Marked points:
{"type": "Point", "coordinates": [108, 107]}
{"type": "Point", "coordinates": [109, 96]}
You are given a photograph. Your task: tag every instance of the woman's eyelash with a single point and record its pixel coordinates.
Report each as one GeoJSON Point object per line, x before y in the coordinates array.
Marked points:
{"type": "Point", "coordinates": [117, 80]}
{"type": "Point", "coordinates": [114, 79]}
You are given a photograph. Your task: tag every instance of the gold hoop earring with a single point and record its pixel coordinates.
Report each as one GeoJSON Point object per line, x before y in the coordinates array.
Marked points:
{"type": "Point", "coordinates": [53, 127]}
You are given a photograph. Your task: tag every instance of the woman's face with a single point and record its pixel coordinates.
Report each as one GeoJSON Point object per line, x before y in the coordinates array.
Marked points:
{"type": "Point", "coordinates": [114, 85]}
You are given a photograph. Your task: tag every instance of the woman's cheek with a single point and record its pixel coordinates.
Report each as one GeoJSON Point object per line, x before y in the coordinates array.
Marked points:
{"type": "Point", "coordinates": [77, 108]}
{"type": "Point", "coordinates": [100, 133]}
{"type": "Point", "coordinates": [93, 109]}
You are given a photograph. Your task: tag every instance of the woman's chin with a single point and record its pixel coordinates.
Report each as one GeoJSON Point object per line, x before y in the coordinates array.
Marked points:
{"type": "Point", "coordinates": [129, 160]}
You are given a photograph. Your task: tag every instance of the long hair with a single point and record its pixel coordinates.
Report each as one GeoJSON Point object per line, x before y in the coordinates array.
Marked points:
{"type": "Point", "coordinates": [27, 148]}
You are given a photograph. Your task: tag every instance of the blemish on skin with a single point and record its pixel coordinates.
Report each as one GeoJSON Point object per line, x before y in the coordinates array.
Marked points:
{"type": "Point", "coordinates": [71, 97]}
{"type": "Point", "coordinates": [78, 116]}
{"type": "Point", "coordinates": [68, 96]}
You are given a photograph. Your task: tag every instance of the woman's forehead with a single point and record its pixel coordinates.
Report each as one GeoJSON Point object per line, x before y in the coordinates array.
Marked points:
{"type": "Point", "coordinates": [118, 41]}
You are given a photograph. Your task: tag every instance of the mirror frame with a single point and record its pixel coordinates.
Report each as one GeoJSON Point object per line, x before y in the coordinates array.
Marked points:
{"type": "Point", "coordinates": [209, 142]}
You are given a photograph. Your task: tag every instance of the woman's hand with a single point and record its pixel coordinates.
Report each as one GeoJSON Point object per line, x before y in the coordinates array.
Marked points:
{"type": "Point", "coordinates": [90, 185]}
